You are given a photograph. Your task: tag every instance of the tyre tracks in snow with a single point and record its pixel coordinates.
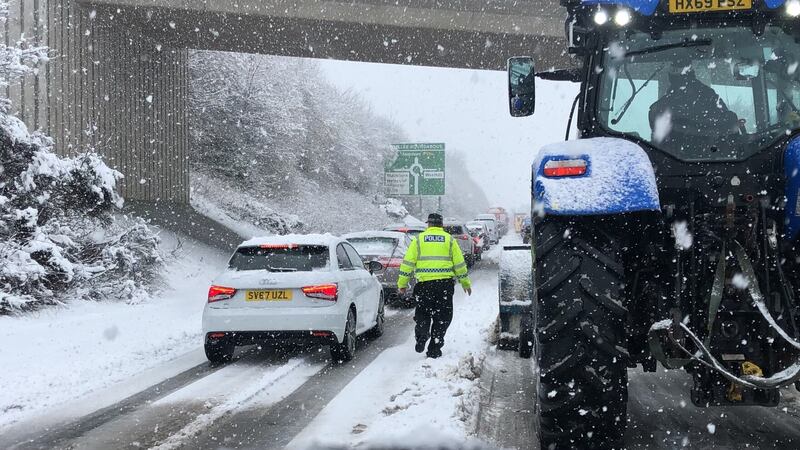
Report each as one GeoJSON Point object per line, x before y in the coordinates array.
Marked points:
{"type": "Point", "coordinates": [179, 412]}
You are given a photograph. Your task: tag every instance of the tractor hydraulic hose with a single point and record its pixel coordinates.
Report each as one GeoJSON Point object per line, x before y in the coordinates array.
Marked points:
{"type": "Point", "coordinates": [704, 356]}
{"type": "Point", "coordinates": [758, 298]}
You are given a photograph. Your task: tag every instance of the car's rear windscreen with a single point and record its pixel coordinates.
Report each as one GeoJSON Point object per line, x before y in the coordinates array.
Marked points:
{"type": "Point", "coordinates": [379, 246]}
{"type": "Point", "coordinates": [302, 258]}
{"type": "Point", "coordinates": [454, 229]}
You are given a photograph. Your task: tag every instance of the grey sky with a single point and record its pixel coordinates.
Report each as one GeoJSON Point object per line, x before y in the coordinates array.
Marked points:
{"type": "Point", "coordinates": [467, 110]}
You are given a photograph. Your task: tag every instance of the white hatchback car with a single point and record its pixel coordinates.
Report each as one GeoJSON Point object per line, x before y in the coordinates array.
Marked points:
{"type": "Point", "coordinates": [294, 289]}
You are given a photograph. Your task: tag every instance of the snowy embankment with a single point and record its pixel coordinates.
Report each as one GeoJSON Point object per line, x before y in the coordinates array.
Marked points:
{"type": "Point", "coordinates": [311, 208]}
{"type": "Point", "coordinates": [403, 398]}
{"type": "Point", "coordinates": [86, 349]}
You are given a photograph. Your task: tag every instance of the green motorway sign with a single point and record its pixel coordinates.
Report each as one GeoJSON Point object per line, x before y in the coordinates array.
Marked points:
{"type": "Point", "coordinates": [417, 169]}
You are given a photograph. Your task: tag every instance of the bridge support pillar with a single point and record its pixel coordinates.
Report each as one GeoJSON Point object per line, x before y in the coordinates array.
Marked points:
{"type": "Point", "coordinates": [107, 88]}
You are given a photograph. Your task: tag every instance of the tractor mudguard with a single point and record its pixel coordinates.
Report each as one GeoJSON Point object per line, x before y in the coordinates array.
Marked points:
{"type": "Point", "coordinates": [618, 178]}
{"type": "Point", "coordinates": [791, 166]}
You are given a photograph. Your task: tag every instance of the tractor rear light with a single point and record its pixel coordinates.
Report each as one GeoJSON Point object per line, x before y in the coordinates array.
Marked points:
{"type": "Point", "coordinates": [793, 8]}
{"type": "Point", "coordinates": [622, 17]}
{"type": "Point", "coordinates": [216, 335]}
{"type": "Point", "coordinates": [320, 333]}
{"type": "Point", "coordinates": [464, 237]}
{"type": "Point", "coordinates": [322, 291]}
{"type": "Point", "coordinates": [565, 167]}
{"type": "Point", "coordinates": [218, 293]}
{"type": "Point", "coordinates": [601, 17]}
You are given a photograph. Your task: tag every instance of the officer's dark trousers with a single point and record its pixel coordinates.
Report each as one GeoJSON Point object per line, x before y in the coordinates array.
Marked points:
{"type": "Point", "coordinates": [434, 312]}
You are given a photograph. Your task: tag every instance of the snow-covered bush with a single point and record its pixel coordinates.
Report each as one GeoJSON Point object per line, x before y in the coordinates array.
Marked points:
{"type": "Point", "coordinates": [58, 238]}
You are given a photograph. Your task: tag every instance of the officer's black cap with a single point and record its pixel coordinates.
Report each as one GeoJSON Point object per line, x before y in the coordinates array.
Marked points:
{"type": "Point", "coordinates": [435, 219]}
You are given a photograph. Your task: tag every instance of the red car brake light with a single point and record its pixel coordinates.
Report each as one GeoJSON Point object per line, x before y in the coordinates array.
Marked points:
{"type": "Point", "coordinates": [322, 291]}
{"type": "Point", "coordinates": [217, 293]}
{"type": "Point", "coordinates": [390, 262]}
{"type": "Point", "coordinates": [279, 246]}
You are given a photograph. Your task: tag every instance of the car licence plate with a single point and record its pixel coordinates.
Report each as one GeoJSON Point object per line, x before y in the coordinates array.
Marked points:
{"type": "Point", "coordinates": [268, 296]}
{"type": "Point", "coordinates": [691, 6]}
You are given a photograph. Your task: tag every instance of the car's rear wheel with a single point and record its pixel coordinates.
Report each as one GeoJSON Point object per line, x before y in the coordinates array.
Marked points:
{"type": "Point", "coordinates": [346, 350]}
{"type": "Point", "coordinates": [380, 321]}
{"type": "Point", "coordinates": [219, 351]}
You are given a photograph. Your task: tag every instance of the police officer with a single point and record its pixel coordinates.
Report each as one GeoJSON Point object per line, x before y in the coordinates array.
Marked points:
{"type": "Point", "coordinates": [435, 259]}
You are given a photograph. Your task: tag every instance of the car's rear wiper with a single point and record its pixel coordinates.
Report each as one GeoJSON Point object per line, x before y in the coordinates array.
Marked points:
{"type": "Point", "coordinates": [660, 48]}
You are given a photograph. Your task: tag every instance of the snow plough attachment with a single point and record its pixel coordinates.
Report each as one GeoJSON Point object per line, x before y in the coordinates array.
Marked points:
{"type": "Point", "coordinates": [516, 291]}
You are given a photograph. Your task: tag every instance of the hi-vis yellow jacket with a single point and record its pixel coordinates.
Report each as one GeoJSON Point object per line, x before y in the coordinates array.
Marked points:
{"type": "Point", "coordinates": [433, 255]}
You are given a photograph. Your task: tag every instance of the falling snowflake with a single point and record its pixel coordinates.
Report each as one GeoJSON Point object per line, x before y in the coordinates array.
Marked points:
{"type": "Point", "coordinates": [740, 281]}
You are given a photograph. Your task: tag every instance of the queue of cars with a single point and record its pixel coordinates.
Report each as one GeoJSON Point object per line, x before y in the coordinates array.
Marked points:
{"type": "Point", "coordinates": [317, 289]}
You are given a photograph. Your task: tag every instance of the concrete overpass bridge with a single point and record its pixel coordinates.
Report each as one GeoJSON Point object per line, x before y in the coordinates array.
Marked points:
{"type": "Point", "coordinates": [118, 82]}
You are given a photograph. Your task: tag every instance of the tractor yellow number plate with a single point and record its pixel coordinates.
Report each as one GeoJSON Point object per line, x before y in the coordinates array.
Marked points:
{"type": "Point", "coordinates": [691, 6]}
{"type": "Point", "coordinates": [268, 296]}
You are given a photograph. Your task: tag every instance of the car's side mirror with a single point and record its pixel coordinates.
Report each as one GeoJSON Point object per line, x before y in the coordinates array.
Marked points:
{"type": "Point", "coordinates": [374, 266]}
{"type": "Point", "coordinates": [521, 86]}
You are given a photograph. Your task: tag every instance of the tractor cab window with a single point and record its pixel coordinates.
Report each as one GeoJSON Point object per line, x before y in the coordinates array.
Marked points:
{"type": "Point", "coordinates": [701, 94]}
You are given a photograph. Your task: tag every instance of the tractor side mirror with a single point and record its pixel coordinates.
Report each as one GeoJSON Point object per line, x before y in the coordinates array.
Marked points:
{"type": "Point", "coordinates": [521, 86]}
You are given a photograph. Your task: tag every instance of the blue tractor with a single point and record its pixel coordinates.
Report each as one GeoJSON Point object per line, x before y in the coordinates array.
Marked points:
{"type": "Point", "coordinates": [668, 232]}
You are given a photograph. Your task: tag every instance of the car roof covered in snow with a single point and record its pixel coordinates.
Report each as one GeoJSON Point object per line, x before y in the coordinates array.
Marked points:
{"type": "Point", "coordinates": [486, 217]}
{"type": "Point", "coordinates": [375, 234]}
{"type": "Point", "coordinates": [299, 239]}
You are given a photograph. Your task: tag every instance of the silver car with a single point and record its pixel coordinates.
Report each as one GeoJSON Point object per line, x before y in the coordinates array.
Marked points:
{"type": "Point", "coordinates": [461, 234]}
{"type": "Point", "coordinates": [388, 248]}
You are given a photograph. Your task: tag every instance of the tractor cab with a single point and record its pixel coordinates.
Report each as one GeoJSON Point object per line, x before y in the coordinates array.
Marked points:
{"type": "Point", "coordinates": [698, 80]}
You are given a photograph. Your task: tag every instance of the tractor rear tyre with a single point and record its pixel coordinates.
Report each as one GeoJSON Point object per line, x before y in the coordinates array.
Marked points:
{"type": "Point", "coordinates": [580, 335]}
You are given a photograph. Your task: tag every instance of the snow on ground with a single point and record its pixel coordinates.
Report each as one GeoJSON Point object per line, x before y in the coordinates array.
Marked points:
{"type": "Point", "coordinates": [413, 400]}
{"type": "Point", "coordinates": [245, 386]}
{"type": "Point", "coordinates": [61, 354]}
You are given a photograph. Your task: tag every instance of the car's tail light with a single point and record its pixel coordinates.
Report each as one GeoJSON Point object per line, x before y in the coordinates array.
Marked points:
{"type": "Point", "coordinates": [390, 262]}
{"type": "Point", "coordinates": [322, 291]}
{"type": "Point", "coordinates": [565, 167]}
{"type": "Point", "coordinates": [464, 237]}
{"type": "Point", "coordinates": [217, 293]}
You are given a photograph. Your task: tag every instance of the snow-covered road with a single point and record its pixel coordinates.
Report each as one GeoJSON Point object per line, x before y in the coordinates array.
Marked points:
{"type": "Point", "coordinates": [387, 397]}
{"type": "Point", "coordinates": [268, 398]}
